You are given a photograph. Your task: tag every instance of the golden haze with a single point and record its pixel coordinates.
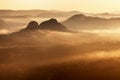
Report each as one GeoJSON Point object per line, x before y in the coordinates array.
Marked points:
{"type": "Point", "coordinates": [80, 5]}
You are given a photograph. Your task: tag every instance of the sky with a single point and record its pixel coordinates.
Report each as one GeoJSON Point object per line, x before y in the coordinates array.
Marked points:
{"type": "Point", "coordinates": [94, 6]}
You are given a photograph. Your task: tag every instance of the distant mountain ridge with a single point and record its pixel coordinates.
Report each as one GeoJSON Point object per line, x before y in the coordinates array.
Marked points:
{"type": "Point", "coordinates": [108, 15]}
{"type": "Point", "coordinates": [81, 21]}
{"type": "Point", "coordinates": [35, 13]}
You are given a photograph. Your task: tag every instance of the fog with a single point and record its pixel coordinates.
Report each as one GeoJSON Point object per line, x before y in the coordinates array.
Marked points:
{"type": "Point", "coordinates": [60, 55]}
{"type": "Point", "coordinates": [87, 54]}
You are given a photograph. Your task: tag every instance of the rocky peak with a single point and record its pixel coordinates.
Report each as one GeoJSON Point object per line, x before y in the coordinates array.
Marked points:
{"type": "Point", "coordinates": [32, 25]}
{"type": "Point", "coordinates": [52, 24]}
